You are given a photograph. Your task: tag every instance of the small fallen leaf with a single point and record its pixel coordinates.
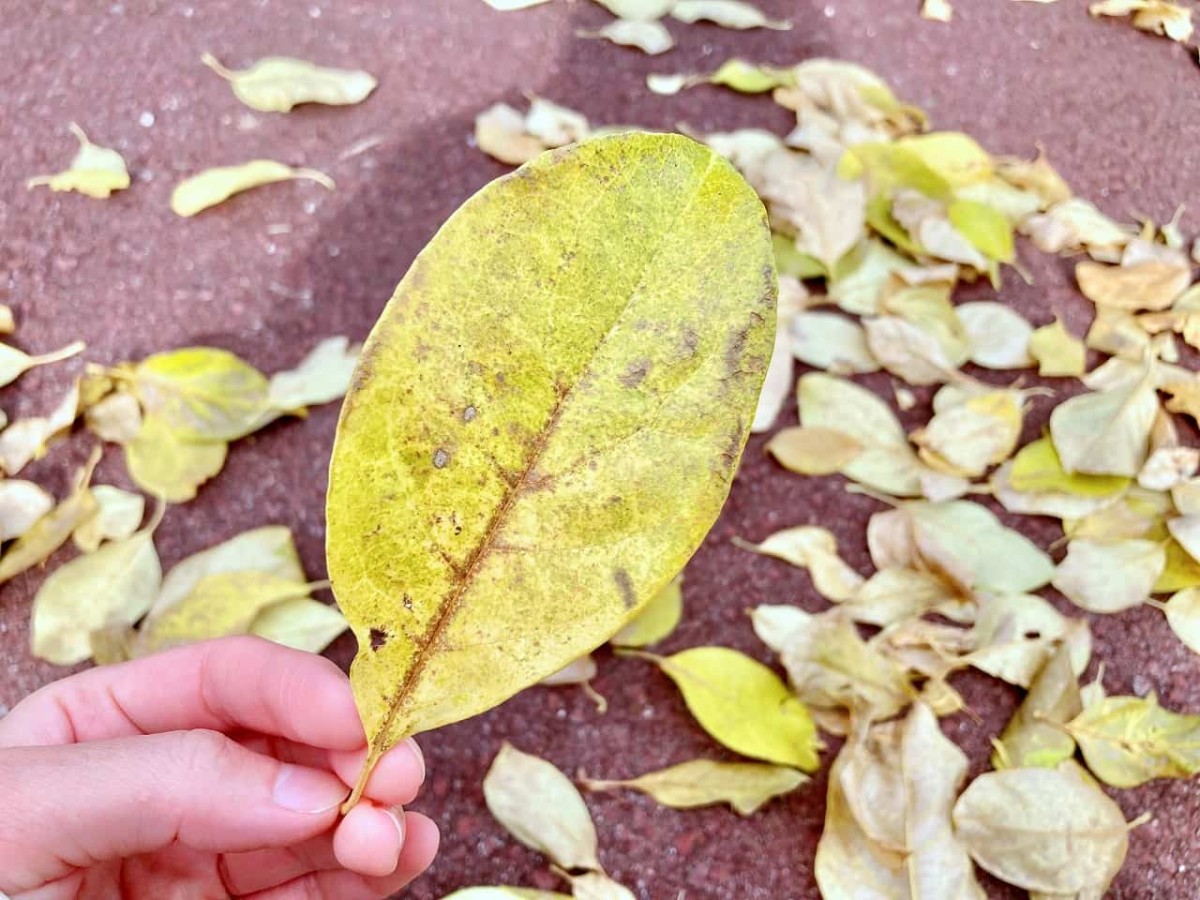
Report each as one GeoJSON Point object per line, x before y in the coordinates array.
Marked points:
{"type": "Point", "coordinates": [555, 125]}
{"type": "Point", "coordinates": [13, 363]}
{"type": "Point", "coordinates": [597, 886]}
{"type": "Point", "coordinates": [1037, 176]}
{"type": "Point", "coordinates": [986, 227]}
{"type": "Point", "coordinates": [1074, 224]}
{"type": "Point", "coordinates": [323, 376]}
{"type": "Point", "coordinates": [22, 503]}
{"type": "Point", "coordinates": [815, 549]}
{"type": "Point", "coordinates": [831, 342]}
{"type": "Point", "coordinates": [1169, 466]}
{"type": "Point", "coordinates": [1037, 468]}
{"type": "Point", "coordinates": [1106, 432]}
{"type": "Point", "coordinates": [937, 10]}
{"type": "Point", "coordinates": [1034, 738]}
{"type": "Point", "coordinates": [908, 351]}
{"type": "Point", "coordinates": [813, 451]}
{"type": "Point", "coordinates": [641, 10]}
{"type": "Point", "coordinates": [970, 437]}
{"type": "Point", "coordinates": [998, 335]}
{"type": "Point", "coordinates": [118, 515]}
{"type": "Point", "coordinates": [1128, 741]}
{"type": "Point", "coordinates": [651, 37]}
{"type": "Point", "coordinates": [1156, 16]}
{"type": "Point", "coordinates": [1050, 830]}
{"type": "Point", "coordinates": [1107, 578]}
{"type": "Point", "coordinates": [748, 78]}
{"type": "Point", "coordinates": [279, 83]}
{"type": "Point", "coordinates": [726, 13]}
{"type": "Point", "coordinates": [657, 620]}
{"type": "Point", "coordinates": [1183, 615]}
{"type": "Point", "coordinates": [1058, 353]}
{"type": "Point", "coordinates": [164, 465]}
{"type": "Point", "coordinates": [53, 529]}
{"type": "Point", "coordinates": [541, 808]}
{"type": "Point", "coordinates": [95, 171]}
{"type": "Point", "coordinates": [300, 623]}
{"type": "Point", "coordinates": [1014, 635]}
{"type": "Point", "coordinates": [500, 133]}
{"type": "Point", "coordinates": [214, 186]}
{"type": "Point", "coordinates": [743, 705]}
{"type": "Point", "coordinates": [116, 418]}
{"type": "Point", "coordinates": [1148, 285]}
{"type": "Point", "coordinates": [29, 439]}
{"type": "Point", "coordinates": [702, 782]}
{"type": "Point", "coordinates": [893, 595]}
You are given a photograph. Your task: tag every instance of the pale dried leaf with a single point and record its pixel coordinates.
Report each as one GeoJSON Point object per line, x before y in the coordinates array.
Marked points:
{"type": "Point", "coordinates": [323, 376]}
{"type": "Point", "coordinates": [1058, 353]}
{"type": "Point", "coordinates": [726, 13]}
{"type": "Point", "coordinates": [815, 549]}
{"type": "Point", "coordinates": [1107, 432]}
{"type": "Point", "coordinates": [651, 37]}
{"type": "Point", "coordinates": [300, 623]}
{"type": "Point", "coordinates": [116, 418]}
{"type": "Point", "coordinates": [813, 451]}
{"type": "Point", "coordinates": [214, 186]}
{"type": "Point", "coordinates": [95, 171]}
{"type": "Point", "coordinates": [702, 782]}
{"type": "Point", "coordinates": [22, 503]}
{"type": "Point", "coordinates": [831, 342]}
{"type": "Point", "coordinates": [119, 514]}
{"type": "Point", "coordinates": [279, 83]}
{"type": "Point", "coordinates": [998, 335]}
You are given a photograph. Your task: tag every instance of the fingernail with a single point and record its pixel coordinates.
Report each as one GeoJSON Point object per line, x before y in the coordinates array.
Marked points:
{"type": "Point", "coordinates": [304, 790]}
{"type": "Point", "coordinates": [416, 751]}
{"type": "Point", "coordinates": [397, 816]}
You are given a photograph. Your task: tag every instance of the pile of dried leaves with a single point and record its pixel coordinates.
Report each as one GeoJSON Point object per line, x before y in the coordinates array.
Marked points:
{"type": "Point", "coordinates": [877, 219]}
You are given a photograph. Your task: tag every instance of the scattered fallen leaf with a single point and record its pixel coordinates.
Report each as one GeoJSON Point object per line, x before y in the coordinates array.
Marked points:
{"type": "Point", "coordinates": [657, 620]}
{"type": "Point", "coordinates": [1034, 737]}
{"type": "Point", "coordinates": [1075, 224]}
{"type": "Point", "coordinates": [815, 549]}
{"type": "Point", "coordinates": [998, 335]}
{"type": "Point", "coordinates": [970, 437]}
{"type": "Point", "coordinates": [831, 342]}
{"type": "Point", "coordinates": [95, 171]}
{"type": "Point", "coordinates": [541, 808]}
{"type": "Point", "coordinates": [726, 13]}
{"type": "Point", "coordinates": [116, 418]}
{"type": "Point", "coordinates": [164, 465]}
{"type": "Point", "coordinates": [323, 376]}
{"type": "Point", "coordinates": [500, 133]}
{"type": "Point", "coordinates": [650, 37]}
{"type": "Point", "coordinates": [279, 83]}
{"type": "Point", "coordinates": [214, 186]}
{"type": "Point", "coordinates": [1058, 353]}
{"type": "Point", "coordinates": [1014, 635]}
{"type": "Point", "coordinates": [22, 503]}
{"type": "Point", "coordinates": [53, 529]}
{"type": "Point", "coordinates": [1106, 432]}
{"type": "Point", "coordinates": [1149, 285]}
{"type": "Point", "coordinates": [893, 595]}
{"type": "Point", "coordinates": [1107, 578]}
{"type": "Point", "coordinates": [119, 514]}
{"type": "Point", "coordinates": [1128, 741]}
{"type": "Point", "coordinates": [1156, 16]}
{"type": "Point", "coordinates": [13, 363]}
{"type": "Point", "coordinates": [813, 451]}
{"type": "Point", "coordinates": [937, 10]}
{"type": "Point", "coordinates": [1169, 466]}
{"type": "Point", "coordinates": [702, 782]}
{"type": "Point", "coordinates": [202, 393]}
{"type": "Point", "coordinates": [777, 385]}
{"type": "Point", "coordinates": [300, 623]}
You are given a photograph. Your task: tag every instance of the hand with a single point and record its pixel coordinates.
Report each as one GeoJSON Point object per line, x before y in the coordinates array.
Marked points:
{"type": "Point", "coordinates": [213, 770]}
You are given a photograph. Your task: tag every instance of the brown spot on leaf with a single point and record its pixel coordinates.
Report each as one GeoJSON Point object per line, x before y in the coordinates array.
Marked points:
{"type": "Point", "coordinates": [379, 638]}
{"type": "Point", "coordinates": [636, 373]}
{"type": "Point", "coordinates": [625, 586]}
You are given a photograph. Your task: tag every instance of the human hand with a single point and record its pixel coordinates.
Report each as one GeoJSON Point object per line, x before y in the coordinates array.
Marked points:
{"type": "Point", "coordinates": [213, 770]}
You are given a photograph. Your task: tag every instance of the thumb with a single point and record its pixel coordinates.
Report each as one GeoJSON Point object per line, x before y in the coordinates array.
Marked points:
{"type": "Point", "coordinates": [72, 806]}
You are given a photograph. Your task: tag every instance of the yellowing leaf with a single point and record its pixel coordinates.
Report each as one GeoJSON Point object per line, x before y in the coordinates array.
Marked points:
{"type": "Point", "coordinates": [1059, 354]}
{"type": "Point", "coordinates": [814, 549]}
{"type": "Point", "coordinates": [972, 436]}
{"type": "Point", "coordinates": [650, 37]}
{"type": "Point", "coordinates": [744, 705]}
{"type": "Point", "coordinates": [956, 157]}
{"type": "Point", "coordinates": [112, 587]}
{"type": "Point", "coordinates": [1034, 737]}
{"type": "Point", "coordinates": [1156, 16]}
{"type": "Point", "coordinates": [530, 412]}
{"type": "Point", "coordinates": [1106, 432]}
{"type": "Point", "coordinates": [13, 363]}
{"type": "Point", "coordinates": [541, 808]}
{"type": "Point", "coordinates": [22, 503]}
{"type": "Point", "coordinates": [998, 335]}
{"type": "Point", "coordinates": [164, 465]}
{"type": "Point", "coordinates": [831, 342]}
{"type": "Point", "coordinates": [702, 782]}
{"type": "Point", "coordinates": [300, 623]}
{"type": "Point", "coordinates": [116, 418]}
{"type": "Point", "coordinates": [1050, 830]}
{"type": "Point", "coordinates": [53, 529]}
{"type": "Point", "coordinates": [95, 171]}
{"type": "Point", "coordinates": [984, 226]}
{"type": "Point", "coordinates": [937, 10]}
{"type": "Point", "coordinates": [1128, 741]}
{"type": "Point", "coordinates": [1107, 578]}
{"type": "Point", "coordinates": [1037, 176]}
{"type": "Point", "coordinates": [216, 185]}
{"type": "Point", "coordinates": [278, 83]}
{"type": "Point", "coordinates": [657, 620]}
{"type": "Point", "coordinates": [748, 78]}
{"type": "Point", "coordinates": [726, 13]}
{"type": "Point", "coordinates": [813, 451]}
{"type": "Point", "coordinates": [118, 515]}
{"type": "Point", "coordinates": [1038, 468]}
{"type": "Point", "coordinates": [322, 376]}
{"type": "Point", "coordinates": [1147, 285]}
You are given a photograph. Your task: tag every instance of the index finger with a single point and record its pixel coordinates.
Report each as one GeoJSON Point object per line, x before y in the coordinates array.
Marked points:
{"type": "Point", "coordinates": [225, 685]}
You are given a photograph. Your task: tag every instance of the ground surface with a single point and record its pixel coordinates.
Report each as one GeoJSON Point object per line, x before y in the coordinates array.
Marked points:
{"type": "Point", "coordinates": [1118, 112]}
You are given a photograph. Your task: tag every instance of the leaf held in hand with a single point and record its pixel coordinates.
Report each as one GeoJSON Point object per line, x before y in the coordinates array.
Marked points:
{"type": "Point", "coordinates": [541, 808]}
{"type": "Point", "coordinates": [278, 83]}
{"type": "Point", "coordinates": [703, 782]}
{"type": "Point", "coordinates": [95, 171]}
{"type": "Point", "coordinates": [545, 438]}
{"type": "Point", "coordinates": [214, 186]}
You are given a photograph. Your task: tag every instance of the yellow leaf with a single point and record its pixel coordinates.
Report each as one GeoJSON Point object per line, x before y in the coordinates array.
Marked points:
{"type": "Point", "coordinates": [118, 515]}
{"type": "Point", "coordinates": [972, 436]}
{"type": "Point", "coordinates": [323, 376]}
{"type": "Point", "coordinates": [997, 334]}
{"type": "Point", "coordinates": [1037, 176]}
{"type": "Point", "coordinates": [22, 503]}
{"type": "Point", "coordinates": [216, 185]}
{"type": "Point", "coordinates": [1156, 16]}
{"type": "Point", "coordinates": [219, 604]}
{"type": "Point", "coordinates": [278, 83]}
{"type": "Point", "coordinates": [1050, 830]}
{"type": "Point", "coordinates": [112, 587]}
{"type": "Point", "coordinates": [702, 782]}
{"type": "Point", "coordinates": [300, 623]}
{"type": "Point", "coordinates": [95, 171]}
{"type": "Point", "coordinates": [986, 228]}
{"type": "Point", "coordinates": [955, 157]}
{"type": "Point", "coordinates": [748, 78]}
{"type": "Point", "coordinates": [937, 10]}
{"type": "Point", "coordinates": [651, 37]}
{"type": "Point", "coordinates": [657, 620]}
{"type": "Point", "coordinates": [1033, 737]}
{"type": "Point", "coordinates": [831, 342]}
{"type": "Point", "coordinates": [1059, 354]}
{"type": "Point", "coordinates": [813, 451]}
{"type": "Point", "coordinates": [1106, 432]}
{"type": "Point", "coordinates": [116, 418]}
{"type": "Point", "coordinates": [13, 363]}
{"type": "Point", "coordinates": [814, 549]}
{"type": "Point", "coordinates": [53, 529]}
{"type": "Point", "coordinates": [926, 221]}
{"type": "Point", "coordinates": [1147, 285]}
{"type": "Point", "coordinates": [1038, 468]}
{"type": "Point", "coordinates": [726, 13]}
{"type": "Point", "coordinates": [1128, 741]}
{"type": "Point", "coordinates": [1183, 615]}
{"type": "Point", "coordinates": [164, 465]}
{"type": "Point", "coordinates": [541, 808]}
{"type": "Point", "coordinates": [1182, 570]}
{"type": "Point", "coordinates": [543, 437]}
{"type": "Point", "coordinates": [743, 705]}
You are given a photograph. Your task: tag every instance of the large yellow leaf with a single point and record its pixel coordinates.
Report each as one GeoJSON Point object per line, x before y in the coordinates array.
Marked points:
{"type": "Point", "coordinates": [545, 423]}
{"type": "Point", "coordinates": [1128, 741]}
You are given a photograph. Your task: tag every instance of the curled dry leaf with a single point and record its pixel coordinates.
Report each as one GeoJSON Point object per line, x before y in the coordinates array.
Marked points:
{"type": "Point", "coordinates": [7, 323]}
{"type": "Point", "coordinates": [279, 83]}
{"type": "Point", "coordinates": [580, 671]}
{"type": "Point", "coordinates": [908, 351]}
{"type": "Point", "coordinates": [95, 171]}
{"type": "Point", "coordinates": [703, 782]}
{"type": "Point", "coordinates": [214, 186]}
{"type": "Point", "coordinates": [1107, 578]}
{"type": "Point", "coordinates": [657, 620]}
{"type": "Point", "coordinates": [1161, 17]}
{"type": "Point", "coordinates": [1058, 353]}
{"type": "Point", "coordinates": [512, 365]}
{"type": "Point", "coordinates": [118, 515]}
{"type": "Point", "coordinates": [726, 13]}
{"type": "Point", "coordinates": [29, 439]}
{"type": "Point", "coordinates": [813, 451]}
{"type": "Point", "coordinates": [14, 363]}
{"type": "Point", "coordinates": [1014, 635]}
{"type": "Point", "coordinates": [1128, 741]}
{"type": "Point", "coordinates": [1049, 830]}
{"type": "Point", "coordinates": [1073, 225]}
{"type": "Point", "coordinates": [541, 808]}
{"type": "Point", "coordinates": [651, 37]}
{"type": "Point", "coordinates": [1168, 467]}
{"type": "Point", "coordinates": [815, 549]}
{"type": "Point", "coordinates": [22, 503]}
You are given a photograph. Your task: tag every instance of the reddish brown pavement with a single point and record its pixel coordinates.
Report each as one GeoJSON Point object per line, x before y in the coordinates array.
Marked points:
{"type": "Point", "coordinates": [269, 274]}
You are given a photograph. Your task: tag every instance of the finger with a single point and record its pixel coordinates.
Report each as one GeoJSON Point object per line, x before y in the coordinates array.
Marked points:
{"type": "Point", "coordinates": [257, 870]}
{"type": "Point", "coordinates": [73, 806]}
{"type": "Point", "coordinates": [395, 781]}
{"type": "Point", "coordinates": [238, 682]}
{"type": "Point", "coordinates": [419, 849]}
